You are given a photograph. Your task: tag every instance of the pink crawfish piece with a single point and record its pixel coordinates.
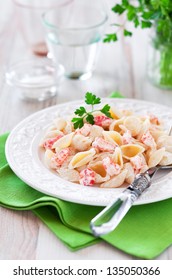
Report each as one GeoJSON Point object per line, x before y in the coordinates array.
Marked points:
{"type": "Point", "coordinates": [102, 121]}
{"type": "Point", "coordinates": [60, 157]}
{"type": "Point", "coordinates": [127, 138]}
{"type": "Point", "coordinates": [103, 145]}
{"type": "Point", "coordinates": [87, 177]}
{"type": "Point", "coordinates": [111, 167]}
{"type": "Point", "coordinates": [137, 163]}
{"type": "Point", "coordinates": [85, 130]}
{"type": "Point", "coordinates": [50, 142]}
{"type": "Point", "coordinates": [148, 140]}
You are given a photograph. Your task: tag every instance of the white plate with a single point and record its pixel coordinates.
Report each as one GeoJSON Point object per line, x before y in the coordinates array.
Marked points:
{"type": "Point", "coordinates": [25, 158]}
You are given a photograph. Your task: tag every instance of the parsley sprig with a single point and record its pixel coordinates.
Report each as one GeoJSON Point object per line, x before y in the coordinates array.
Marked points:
{"type": "Point", "coordinates": [144, 13]}
{"type": "Point", "coordinates": [90, 99]}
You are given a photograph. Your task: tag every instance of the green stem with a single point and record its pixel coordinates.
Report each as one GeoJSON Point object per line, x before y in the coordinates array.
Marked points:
{"type": "Point", "coordinates": [162, 61]}
{"type": "Point", "coordinates": [165, 67]}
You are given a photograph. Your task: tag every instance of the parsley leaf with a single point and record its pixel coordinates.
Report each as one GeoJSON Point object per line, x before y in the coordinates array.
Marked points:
{"type": "Point", "coordinates": [146, 24]}
{"type": "Point", "coordinates": [90, 99]}
{"type": "Point", "coordinates": [125, 2]}
{"type": "Point", "coordinates": [136, 22]}
{"type": "Point", "coordinates": [105, 110]}
{"type": "Point", "coordinates": [110, 38]}
{"type": "Point", "coordinates": [155, 4]}
{"type": "Point", "coordinates": [90, 119]}
{"type": "Point", "coordinates": [127, 33]}
{"type": "Point", "coordinates": [119, 9]}
{"type": "Point", "coordinates": [78, 122]}
{"type": "Point", "coordinates": [80, 112]}
{"type": "Point", "coordinates": [131, 13]}
{"type": "Point", "coordinates": [144, 14]}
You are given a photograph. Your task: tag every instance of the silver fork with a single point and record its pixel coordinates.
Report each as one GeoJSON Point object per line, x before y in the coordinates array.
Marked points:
{"type": "Point", "coordinates": [108, 219]}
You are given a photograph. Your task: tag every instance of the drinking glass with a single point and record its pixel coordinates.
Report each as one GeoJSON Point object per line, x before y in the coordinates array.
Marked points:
{"type": "Point", "coordinates": [74, 34]}
{"type": "Point", "coordinates": [36, 79]}
{"type": "Point", "coordinates": [29, 14]}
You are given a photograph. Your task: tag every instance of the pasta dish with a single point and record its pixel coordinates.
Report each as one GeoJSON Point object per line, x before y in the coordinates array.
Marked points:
{"type": "Point", "coordinates": [109, 151]}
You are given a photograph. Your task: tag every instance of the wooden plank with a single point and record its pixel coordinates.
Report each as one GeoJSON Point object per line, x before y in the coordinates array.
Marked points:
{"type": "Point", "coordinates": [18, 235]}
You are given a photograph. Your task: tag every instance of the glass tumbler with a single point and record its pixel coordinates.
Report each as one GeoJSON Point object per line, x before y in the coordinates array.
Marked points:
{"type": "Point", "coordinates": [29, 14]}
{"type": "Point", "coordinates": [74, 34]}
{"type": "Point", "coordinates": [35, 79]}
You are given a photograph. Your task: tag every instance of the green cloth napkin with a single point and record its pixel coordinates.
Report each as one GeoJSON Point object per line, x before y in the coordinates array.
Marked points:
{"type": "Point", "coordinates": [144, 232]}
{"type": "Point", "coordinates": [116, 94]}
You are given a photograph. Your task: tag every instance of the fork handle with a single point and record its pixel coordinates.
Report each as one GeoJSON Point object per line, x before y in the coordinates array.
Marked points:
{"type": "Point", "coordinates": [109, 218]}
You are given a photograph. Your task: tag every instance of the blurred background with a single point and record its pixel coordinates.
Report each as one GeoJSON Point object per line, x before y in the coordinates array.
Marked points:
{"type": "Point", "coordinates": [121, 66]}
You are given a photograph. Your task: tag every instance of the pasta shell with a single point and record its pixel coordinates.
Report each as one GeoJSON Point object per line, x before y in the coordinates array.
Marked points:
{"type": "Point", "coordinates": [99, 179]}
{"type": "Point", "coordinates": [115, 113]}
{"type": "Point", "coordinates": [145, 126]}
{"type": "Point", "coordinates": [82, 158]}
{"type": "Point", "coordinates": [123, 128]}
{"type": "Point", "coordinates": [100, 157]}
{"type": "Point", "coordinates": [63, 142]}
{"type": "Point", "coordinates": [168, 140]}
{"type": "Point", "coordinates": [116, 181]}
{"type": "Point", "coordinates": [117, 157]}
{"type": "Point", "coordinates": [113, 137]}
{"type": "Point", "coordinates": [68, 128]}
{"type": "Point", "coordinates": [98, 168]}
{"type": "Point", "coordinates": [130, 173]}
{"type": "Point", "coordinates": [137, 142]}
{"type": "Point", "coordinates": [131, 150]}
{"type": "Point", "coordinates": [100, 172]}
{"type": "Point", "coordinates": [167, 159]}
{"type": "Point", "coordinates": [71, 175]}
{"type": "Point", "coordinates": [115, 125]}
{"type": "Point", "coordinates": [80, 142]}
{"type": "Point", "coordinates": [59, 123]}
{"type": "Point", "coordinates": [164, 141]}
{"type": "Point", "coordinates": [156, 134]}
{"type": "Point", "coordinates": [53, 133]}
{"type": "Point", "coordinates": [156, 157]}
{"type": "Point", "coordinates": [96, 131]}
{"type": "Point", "coordinates": [48, 159]}
{"type": "Point", "coordinates": [133, 124]}
{"type": "Point", "coordinates": [168, 149]}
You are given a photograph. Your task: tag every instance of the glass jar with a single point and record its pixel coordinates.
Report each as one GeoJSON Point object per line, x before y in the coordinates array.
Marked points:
{"type": "Point", "coordinates": [159, 65]}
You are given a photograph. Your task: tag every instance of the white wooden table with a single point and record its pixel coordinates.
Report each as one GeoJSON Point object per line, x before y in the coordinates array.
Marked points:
{"type": "Point", "coordinates": [121, 67]}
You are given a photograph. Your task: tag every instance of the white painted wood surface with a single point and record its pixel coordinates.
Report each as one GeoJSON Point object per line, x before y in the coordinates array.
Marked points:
{"type": "Point", "coordinates": [122, 66]}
